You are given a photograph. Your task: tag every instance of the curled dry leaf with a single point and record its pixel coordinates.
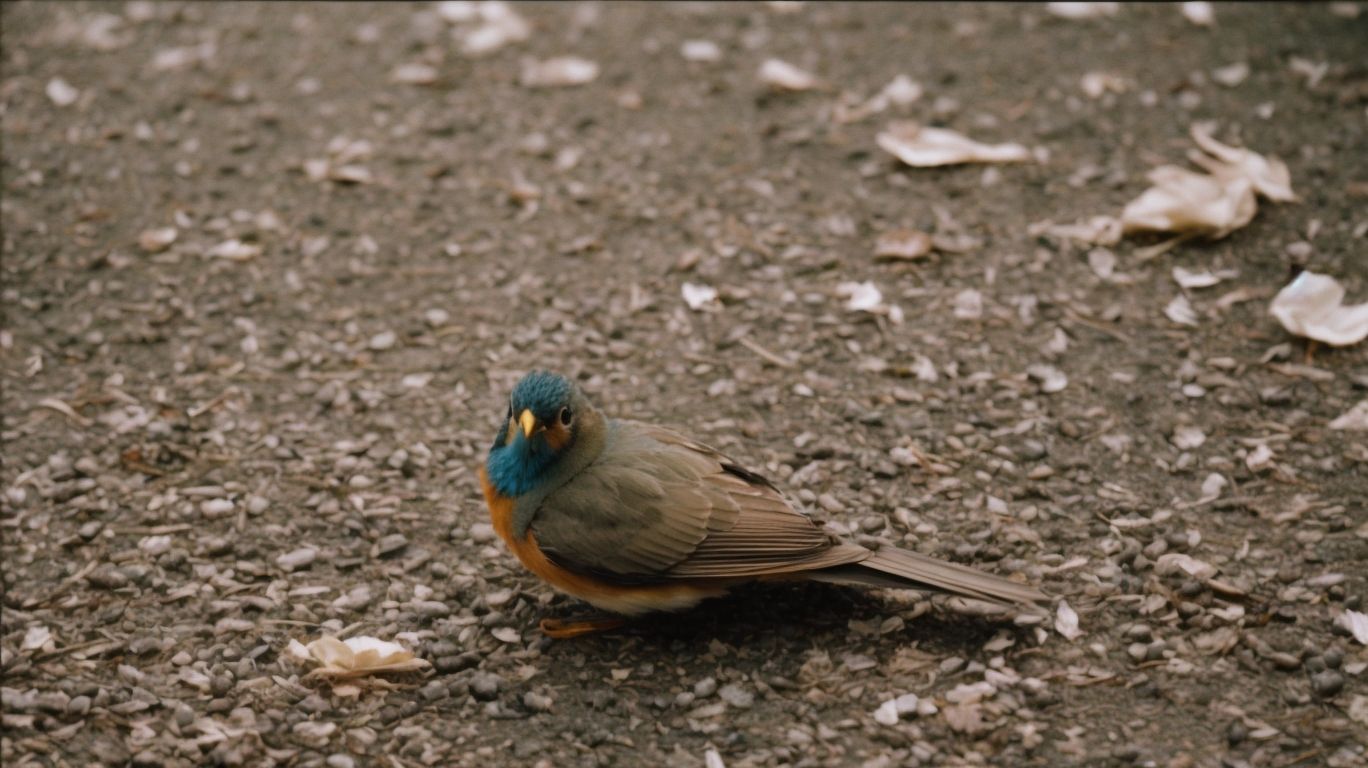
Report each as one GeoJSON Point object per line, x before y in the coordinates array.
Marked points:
{"type": "Point", "coordinates": [1203, 279]}
{"type": "Point", "coordinates": [1313, 306]}
{"type": "Point", "coordinates": [1200, 13]}
{"type": "Point", "coordinates": [1066, 621]}
{"type": "Point", "coordinates": [560, 72]}
{"type": "Point", "coordinates": [1187, 202]}
{"type": "Point", "coordinates": [1269, 175]}
{"type": "Point", "coordinates": [1355, 419]}
{"type": "Point", "coordinates": [157, 240]}
{"type": "Point", "coordinates": [354, 657]}
{"type": "Point", "coordinates": [1098, 230]}
{"type": "Point", "coordinates": [699, 297]}
{"type": "Point", "coordinates": [866, 297]}
{"type": "Point", "coordinates": [902, 245]}
{"type": "Point", "coordinates": [62, 93]}
{"type": "Point", "coordinates": [1356, 623]}
{"type": "Point", "coordinates": [923, 147]}
{"type": "Point", "coordinates": [1180, 311]}
{"type": "Point", "coordinates": [783, 76]}
{"type": "Point", "coordinates": [1082, 11]}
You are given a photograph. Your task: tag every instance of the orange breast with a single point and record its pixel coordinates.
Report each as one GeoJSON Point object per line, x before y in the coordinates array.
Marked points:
{"type": "Point", "coordinates": [612, 597]}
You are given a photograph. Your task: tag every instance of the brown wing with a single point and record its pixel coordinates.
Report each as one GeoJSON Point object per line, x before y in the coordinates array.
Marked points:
{"type": "Point", "coordinates": [657, 506]}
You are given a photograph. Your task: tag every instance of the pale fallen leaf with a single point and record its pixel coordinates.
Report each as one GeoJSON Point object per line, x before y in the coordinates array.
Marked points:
{"type": "Point", "coordinates": [1187, 202]}
{"type": "Point", "coordinates": [560, 72]}
{"type": "Point", "coordinates": [496, 25]}
{"type": "Point", "coordinates": [701, 50]}
{"type": "Point", "coordinates": [924, 147]}
{"type": "Point", "coordinates": [1200, 13]}
{"type": "Point", "coordinates": [1050, 378]}
{"type": "Point", "coordinates": [866, 297]}
{"type": "Point", "coordinates": [712, 759]}
{"type": "Point", "coordinates": [1177, 563]}
{"type": "Point", "coordinates": [1312, 71]}
{"type": "Point", "coordinates": [1231, 75]}
{"type": "Point", "coordinates": [1098, 230]}
{"type": "Point", "coordinates": [1180, 311]}
{"type": "Point", "coordinates": [1355, 419]}
{"type": "Point", "coordinates": [901, 91]}
{"type": "Point", "coordinates": [35, 638]}
{"type": "Point", "coordinates": [1095, 84]}
{"type": "Point", "coordinates": [1213, 485]}
{"type": "Point", "coordinates": [1102, 261]}
{"type": "Point", "coordinates": [968, 304]}
{"type": "Point", "coordinates": [784, 76]}
{"type": "Point", "coordinates": [1187, 437]}
{"type": "Point", "coordinates": [1313, 306]}
{"type": "Point", "coordinates": [414, 73]}
{"type": "Point", "coordinates": [1356, 623]}
{"type": "Point", "coordinates": [1066, 621]}
{"type": "Point", "coordinates": [1259, 459]}
{"type": "Point", "coordinates": [902, 245]}
{"type": "Point", "coordinates": [1203, 279]}
{"type": "Point", "coordinates": [355, 657]}
{"type": "Point", "coordinates": [234, 250]}
{"type": "Point", "coordinates": [1082, 11]}
{"type": "Point", "coordinates": [699, 297]}
{"type": "Point", "coordinates": [62, 93]}
{"type": "Point", "coordinates": [1269, 175]}
{"type": "Point", "coordinates": [157, 240]}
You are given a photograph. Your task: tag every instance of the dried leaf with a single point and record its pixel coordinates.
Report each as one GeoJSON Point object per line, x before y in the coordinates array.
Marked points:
{"type": "Point", "coordinates": [35, 638]}
{"type": "Point", "coordinates": [357, 657]}
{"type": "Point", "coordinates": [234, 250]}
{"type": "Point", "coordinates": [1082, 11]}
{"type": "Point", "coordinates": [1178, 563]}
{"type": "Point", "coordinates": [1354, 419]}
{"type": "Point", "coordinates": [157, 240]}
{"type": "Point", "coordinates": [414, 73]}
{"type": "Point", "coordinates": [902, 245]}
{"type": "Point", "coordinates": [1066, 621]}
{"type": "Point", "coordinates": [1268, 175]}
{"type": "Point", "coordinates": [498, 25]}
{"type": "Point", "coordinates": [1180, 311]}
{"type": "Point", "coordinates": [1231, 75]}
{"type": "Point", "coordinates": [1095, 84]}
{"type": "Point", "coordinates": [1187, 202]}
{"type": "Point", "coordinates": [560, 72]}
{"type": "Point", "coordinates": [701, 50]}
{"type": "Point", "coordinates": [1204, 279]}
{"type": "Point", "coordinates": [699, 297]}
{"type": "Point", "coordinates": [1098, 230]}
{"type": "Point", "coordinates": [923, 147]}
{"type": "Point", "coordinates": [866, 297]}
{"type": "Point", "coordinates": [62, 93]}
{"type": "Point", "coordinates": [1199, 13]}
{"type": "Point", "coordinates": [1050, 378]}
{"type": "Point", "coordinates": [1356, 623]}
{"type": "Point", "coordinates": [783, 76]}
{"type": "Point", "coordinates": [1313, 306]}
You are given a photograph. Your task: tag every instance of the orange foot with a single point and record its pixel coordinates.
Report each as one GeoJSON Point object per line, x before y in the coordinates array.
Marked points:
{"type": "Point", "coordinates": [565, 629]}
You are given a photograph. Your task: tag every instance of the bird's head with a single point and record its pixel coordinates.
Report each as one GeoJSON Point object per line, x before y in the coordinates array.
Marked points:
{"type": "Point", "coordinates": [546, 413]}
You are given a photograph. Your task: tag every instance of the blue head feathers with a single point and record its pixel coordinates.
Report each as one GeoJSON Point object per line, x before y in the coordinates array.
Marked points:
{"type": "Point", "coordinates": [527, 446]}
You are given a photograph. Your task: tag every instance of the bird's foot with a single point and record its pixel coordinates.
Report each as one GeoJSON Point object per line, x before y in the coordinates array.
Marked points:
{"type": "Point", "coordinates": [565, 629]}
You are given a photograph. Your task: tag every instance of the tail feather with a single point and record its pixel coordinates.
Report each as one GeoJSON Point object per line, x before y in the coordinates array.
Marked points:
{"type": "Point", "coordinates": [892, 567]}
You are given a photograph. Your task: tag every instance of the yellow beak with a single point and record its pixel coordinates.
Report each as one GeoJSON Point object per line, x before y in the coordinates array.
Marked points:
{"type": "Point", "coordinates": [528, 422]}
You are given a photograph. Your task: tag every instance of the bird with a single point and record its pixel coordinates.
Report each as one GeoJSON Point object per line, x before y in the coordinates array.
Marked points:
{"type": "Point", "coordinates": [635, 518]}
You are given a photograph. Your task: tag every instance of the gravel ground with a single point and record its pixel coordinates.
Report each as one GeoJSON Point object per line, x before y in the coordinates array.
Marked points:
{"type": "Point", "coordinates": [269, 271]}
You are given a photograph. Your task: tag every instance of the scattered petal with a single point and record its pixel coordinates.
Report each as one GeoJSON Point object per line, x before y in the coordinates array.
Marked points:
{"type": "Point", "coordinates": [157, 240]}
{"type": "Point", "coordinates": [1269, 175]}
{"type": "Point", "coordinates": [1200, 13]}
{"type": "Point", "coordinates": [699, 297]}
{"type": "Point", "coordinates": [1180, 311]}
{"type": "Point", "coordinates": [62, 93]}
{"type": "Point", "coordinates": [1066, 621]}
{"type": "Point", "coordinates": [561, 72]}
{"type": "Point", "coordinates": [1313, 306]}
{"type": "Point", "coordinates": [1184, 201]}
{"type": "Point", "coordinates": [902, 245]}
{"type": "Point", "coordinates": [1082, 11]}
{"type": "Point", "coordinates": [1356, 623]}
{"type": "Point", "coordinates": [923, 147]}
{"type": "Point", "coordinates": [1354, 419]}
{"type": "Point", "coordinates": [783, 76]}
{"type": "Point", "coordinates": [701, 50]}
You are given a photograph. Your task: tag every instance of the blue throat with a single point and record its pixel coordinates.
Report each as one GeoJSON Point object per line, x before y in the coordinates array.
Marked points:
{"type": "Point", "coordinates": [520, 466]}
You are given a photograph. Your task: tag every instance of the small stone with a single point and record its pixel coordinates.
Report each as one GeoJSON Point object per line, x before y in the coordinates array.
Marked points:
{"type": "Point", "coordinates": [537, 702]}
{"type": "Point", "coordinates": [1327, 684]}
{"type": "Point", "coordinates": [383, 341]}
{"type": "Point", "coordinates": [79, 705]}
{"type": "Point", "coordinates": [485, 686]}
{"type": "Point", "coordinates": [830, 503]}
{"type": "Point", "coordinates": [736, 696]}
{"type": "Point", "coordinates": [107, 577]}
{"type": "Point", "coordinates": [340, 760]}
{"type": "Point", "coordinates": [482, 533]}
{"type": "Point", "coordinates": [391, 544]}
{"type": "Point", "coordinates": [1236, 733]}
{"type": "Point", "coordinates": [705, 687]}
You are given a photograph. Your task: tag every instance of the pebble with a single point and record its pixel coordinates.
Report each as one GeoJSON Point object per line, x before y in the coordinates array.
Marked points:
{"type": "Point", "coordinates": [1236, 733]}
{"type": "Point", "coordinates": [537, 702]}
{"type": "Point", "coordinates": [107, 577]}
{"type": "Point", "coordinates": [340, 760]}
{"type": "Point", "coordinates": [705, 687]}
{"type": "Point", "coordinates": [391, 544]}
{"type": "Point", "coordinates": [1327, 684]}
{"type": "Point", "coordinates": [484, 686]}
{"type": "Point", "coordinates": [830, 503]}
{"type": "Point", "coordinates": [79, 705]}
{"type": "Point", "coordinates": [482, 533]}
{"type": "Point", "coordinates": [736, 696]}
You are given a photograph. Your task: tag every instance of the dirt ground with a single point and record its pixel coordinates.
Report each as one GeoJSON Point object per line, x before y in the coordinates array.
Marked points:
{"type": "Point", "coordinates": [267, 428]}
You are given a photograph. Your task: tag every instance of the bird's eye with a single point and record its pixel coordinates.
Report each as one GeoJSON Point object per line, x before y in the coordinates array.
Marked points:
{"type": "Point", "coordinates": [566, 416]}
{"type": "Point", "coordinates": [510, 411]}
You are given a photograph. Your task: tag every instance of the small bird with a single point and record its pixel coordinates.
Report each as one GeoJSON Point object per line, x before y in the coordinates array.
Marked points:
{"type": "Point", "coordinates": [634, 518]}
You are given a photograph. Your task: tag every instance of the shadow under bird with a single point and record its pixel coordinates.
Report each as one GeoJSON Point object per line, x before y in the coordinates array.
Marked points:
{"type": "Point", "coordinates": [634, 518]}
